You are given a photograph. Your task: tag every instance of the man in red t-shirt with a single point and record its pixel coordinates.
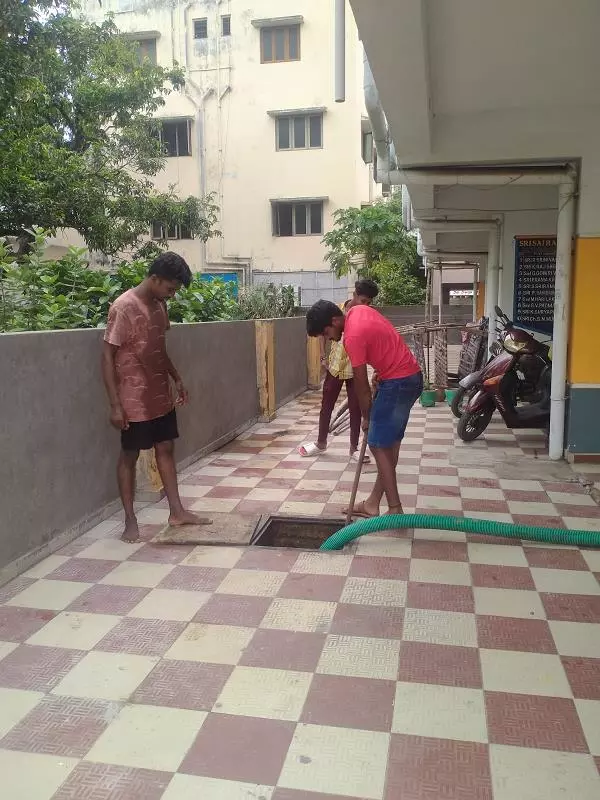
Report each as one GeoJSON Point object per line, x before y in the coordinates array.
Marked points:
{"type": "Point", "coordinates": [137, 373]}
{"type": "Point", "coordinates": [371, 340]}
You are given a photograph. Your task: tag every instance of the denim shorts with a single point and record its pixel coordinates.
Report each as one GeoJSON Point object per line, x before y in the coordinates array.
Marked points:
{"type": "Point", "coordinates": [391, 409]}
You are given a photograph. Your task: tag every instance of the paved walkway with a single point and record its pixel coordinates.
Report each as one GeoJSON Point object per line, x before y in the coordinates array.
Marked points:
{"type": "Point", "coordinates": [422, 666]}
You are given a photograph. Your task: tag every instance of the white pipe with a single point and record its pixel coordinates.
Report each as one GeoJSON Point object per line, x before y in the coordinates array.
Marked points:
{"type": "Point", "coordinates": [377, 119]}
{"type": "Point", "coordinates": [562, 290]}
{"type": "Point", "coordinates": [441, 292]}
{"type": "Point", "coordinates": [340, 51]}
{"type": "Point", "coordinates": [492, 284]}
{"type": "Point", "coordinates": [475, 287]}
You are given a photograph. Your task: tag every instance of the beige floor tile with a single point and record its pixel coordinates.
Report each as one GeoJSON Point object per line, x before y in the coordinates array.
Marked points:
{"type": "Point", "coordinates": [338, 761]}
{"type": "Point", "coordinates": [532, 509]}
{"type": "Point", "coordinates": [592, 558]}
{"type": "Point", "coordinates": [440, 712]}
{"type": "Point", "coordinates": [75, 630]}
{"type": "Point", "coordinates": [522, 773]}
{"type": "Point", "coordinates": [106, 676]}
{"type": "Point", "coordinates": [193, 490]}
{"type": "Point", "coordinates": [15, 704]}
{"type": "Point", "coordinates": [440, 627]}
{"type": "Point", "coordinates": [191, 787]}
{"type": "Point", "coordinates": [589, 714]}
{"type": "Point", "coordinates": [360, 657]}
{"type": "Point", "coordinates": [153, 515]}
{"type": "Point", "coordinates": [46, 566]}
{"type": "Point", "coordinates": [323, 563]}
{"type": "Point", "coordinates": [518, 603]}
{"type": "Point", "coordinates": [497, 554]}
{"type": "Point", "coordinates": [524, 486]}
{"type": "Point", "coordinates": [573, 499]}
{"type": "Point", "coordinates": [225, 505]}
{"type": "Point", "coordinates": [576, 638]}
{"type": "Point", "coordinates": [453, 573]}
{"type": "Point", "coordinates": [32, 776]}
{"type": "Point", "coordinates": [309, 616]}
{"type": "Point", "coordinates": [137, 573]}
{"type": "Point", "coordinates": [240, 483]}
{"type": "Point", "coordinates": [6, 648]}
{"type": "Point", "coordinates": [439, 536]}
{"type": "Point", "coordinates": [290, 474]}
{"type": "Point", "coordinates": [110, 549]}
{"type": "Point", "coordinates": [148, 737]}
{"type": "Point", "coordinates": [255, 583]}
{"type": "Point", "coordinates": [438, 480]}
{"type": "Point", "coordinates": [384, 546]}
{"type": "Point", "coordinates": [374, 592]}
{"type": "Point", "coordinates": [302, 509]}
{"type": "Point", "coordinates": [216, 644]}
{"type": "Point", "coordinates": [565, 581]}
{"type": "Point", "coordinates": [268, 495]}
{"type": "Point", "coordinates": [524, 673]}
{"type": "Point", "coordinates": [215, 472]}
{"type": "Point", "coordinates": [269, 693]}
{"type": "Point", "coordinates": [470, 493]}
{"type": "Point", "coordinates": [314, 485]}
{"type": "Point", "coordinates": [51, 595]}
{"type": "Point", "coordinates": [583, 523]}
{"type": "Point", "coordinates": [170, 604]}
{"type": "Point", "coordinates": [207, 556]}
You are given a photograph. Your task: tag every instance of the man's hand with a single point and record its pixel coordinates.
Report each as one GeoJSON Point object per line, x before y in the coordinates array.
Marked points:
{"type": "Point", "coordinates": [182, 393]}
{"type": "Point", "coordinates": [374, 383]}
{"type": "Point", "coordinates": [118, 418]}
{"type": "Point", "coordinates": [365, 424]}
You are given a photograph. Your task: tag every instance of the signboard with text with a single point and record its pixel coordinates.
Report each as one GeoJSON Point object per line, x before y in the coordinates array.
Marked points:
{"type": "Point", "coordinates": [535, 269]}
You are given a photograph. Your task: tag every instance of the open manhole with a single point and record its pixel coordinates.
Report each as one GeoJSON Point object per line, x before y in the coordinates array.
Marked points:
{"type": "Point", "coordinates": [304, 533]}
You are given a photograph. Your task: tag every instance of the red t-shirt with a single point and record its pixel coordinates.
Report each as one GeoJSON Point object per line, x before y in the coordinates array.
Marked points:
{"type": "Point", "coordinates": [369, 338]}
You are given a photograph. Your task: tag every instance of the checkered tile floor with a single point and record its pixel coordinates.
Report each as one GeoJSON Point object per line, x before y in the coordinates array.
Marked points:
{"type": "Point", "coordinates": [413, 667]}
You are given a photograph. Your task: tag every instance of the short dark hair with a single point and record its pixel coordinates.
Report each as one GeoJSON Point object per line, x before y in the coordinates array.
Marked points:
{"type": "Point", "coordinates": [171, 267]}
{"type": "Point", "coordinates": [366, 288]}
{"type": "Point", "coordinates": [320, 316]}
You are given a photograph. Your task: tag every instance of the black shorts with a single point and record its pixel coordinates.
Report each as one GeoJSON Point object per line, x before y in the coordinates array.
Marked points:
{"type": "Point", "coordinates": [144, 435]}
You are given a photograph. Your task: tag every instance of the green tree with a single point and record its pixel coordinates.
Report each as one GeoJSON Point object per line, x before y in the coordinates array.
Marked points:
{"type": "Point", "coordinates": [374, 242]}
{"type": "Point", "coordinates": [79, 143]}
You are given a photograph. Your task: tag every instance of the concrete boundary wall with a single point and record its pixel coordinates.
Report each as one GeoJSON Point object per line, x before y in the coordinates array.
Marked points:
{"type": "Point", "coordinates": [57, 449]}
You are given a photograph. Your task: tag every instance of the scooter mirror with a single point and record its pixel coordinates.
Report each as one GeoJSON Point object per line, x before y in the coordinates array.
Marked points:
{"type": "Point", "coordinates": [498, 311]}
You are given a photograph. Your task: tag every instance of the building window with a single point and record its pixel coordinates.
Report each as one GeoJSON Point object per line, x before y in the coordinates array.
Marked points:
{"type": "Point", "coordinates": [162, 232]}
{"type": "Point", "coordinates": [201, 28]}
{"type": "Point", "coordinates": [300, 132]}
{"type": "Point", "coordinates": [226, 25]}
{"type": "Point", "coordinates": [175, 138]}
{"type": "Point", "coordinates": [367, 147]}
{"type": "Point", "coordinates": [146, 50]}
{"type": "Point", "coordinates": [280, 44]}
{"type": "Point", "coordinates": [298, 219]}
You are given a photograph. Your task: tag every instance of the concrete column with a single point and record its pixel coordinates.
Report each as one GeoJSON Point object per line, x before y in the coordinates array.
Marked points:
{"type": "Point", "coordinates": [313, 362]}
{"type": "Point", "coordinates": [265, 368]}
{"type": "Point", "coordinates": [492, 284]}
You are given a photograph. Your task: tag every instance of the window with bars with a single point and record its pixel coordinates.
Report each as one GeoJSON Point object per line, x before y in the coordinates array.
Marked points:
{"type": "Point", "coordinates": [163, 232]}
{"type": "Point", "coordinates": [175, 137]}
{"type": "Point", "coordinates": [147, 50]}
{"type": "Point", "coordinates": [201, 28]}
{"type": "Point", "coordinates": [301, 132]}
{"type": "Point", "coordinates": [297, 219]}
{"type": "Point", "coordinates": [226, 25]}
{"type": "Point", "coordinates": [280, 44]}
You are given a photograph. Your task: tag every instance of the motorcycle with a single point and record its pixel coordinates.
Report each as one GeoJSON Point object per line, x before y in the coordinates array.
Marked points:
{"type": "Point", "coordinates": [467, 385]}
{"type": "Point", "coordinates": [522, 371]}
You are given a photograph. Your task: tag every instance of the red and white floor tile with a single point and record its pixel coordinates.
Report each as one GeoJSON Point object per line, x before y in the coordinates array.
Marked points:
{"type": "Point", "coordinates": [419, 666]}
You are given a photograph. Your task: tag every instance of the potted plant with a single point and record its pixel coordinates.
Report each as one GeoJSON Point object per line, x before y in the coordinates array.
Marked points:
{"type": "Point", "coordinates": [428, 395]}
{"type": "Point", "coordinates": [450, 395]}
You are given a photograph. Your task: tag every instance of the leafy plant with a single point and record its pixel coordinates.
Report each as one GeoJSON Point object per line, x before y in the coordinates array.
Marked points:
{"type": "Point", "coordinates": [79, 143]}
{"type": "Point", "coordinates": [266, 302]}
{"type": "Point", "coordinates": [374, 242]}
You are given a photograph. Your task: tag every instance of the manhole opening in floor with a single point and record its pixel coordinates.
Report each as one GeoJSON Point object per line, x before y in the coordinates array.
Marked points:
{"type": "Point", "coordinates": [304, 533]}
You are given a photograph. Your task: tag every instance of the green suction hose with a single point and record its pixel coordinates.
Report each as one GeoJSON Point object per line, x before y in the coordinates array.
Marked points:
{"type": "Point", "coordinates": [395, 521]}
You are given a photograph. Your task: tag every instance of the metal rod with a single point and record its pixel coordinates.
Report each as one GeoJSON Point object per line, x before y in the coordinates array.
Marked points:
{"type": "Point", "coordinates": [359, 466]}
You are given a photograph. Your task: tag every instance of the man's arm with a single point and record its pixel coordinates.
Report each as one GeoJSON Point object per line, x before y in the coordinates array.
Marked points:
{"type": "Point", "coordinates": [182, 393]}
{"type": "Point", "coordinates": [118, 418]}
{"type": "Point", "coordinates": [363, 393]}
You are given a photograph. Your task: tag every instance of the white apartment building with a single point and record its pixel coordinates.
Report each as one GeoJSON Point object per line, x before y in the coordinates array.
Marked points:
{"type": "Point", "coordinates": [257, 126]}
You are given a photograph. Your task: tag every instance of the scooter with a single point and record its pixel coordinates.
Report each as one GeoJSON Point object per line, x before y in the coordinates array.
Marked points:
{"type": "Point", "coordinates": [521, 371]}
{"type": "Point", "coordinates": [467, 386]}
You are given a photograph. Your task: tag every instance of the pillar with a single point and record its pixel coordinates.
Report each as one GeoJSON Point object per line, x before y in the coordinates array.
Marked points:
{"type": "Point", "coordinates": [492, 286]}
{"type": "Point", "coordinates": [313, 362]}
{"type": "Point", "coordinates": [265, 368]}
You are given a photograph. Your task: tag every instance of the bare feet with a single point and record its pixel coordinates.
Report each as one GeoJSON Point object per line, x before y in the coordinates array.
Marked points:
{"type": "Point", "coordinates": [131, 534]}
{"type": "Point", "coordinates": [363, 510]}
{"type": "Point", "coordinates": [184, 517]}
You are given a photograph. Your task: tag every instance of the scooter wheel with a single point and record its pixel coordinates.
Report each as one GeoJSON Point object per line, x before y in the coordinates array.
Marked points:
{"type": "Point", "coordinates": [459, 402]}
{"type": "Point", "coordinates": [473, 423]}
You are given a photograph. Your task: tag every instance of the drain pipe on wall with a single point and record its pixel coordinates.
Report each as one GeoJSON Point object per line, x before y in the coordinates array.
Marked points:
{"type": "Point", "coordinates": [340, 51]}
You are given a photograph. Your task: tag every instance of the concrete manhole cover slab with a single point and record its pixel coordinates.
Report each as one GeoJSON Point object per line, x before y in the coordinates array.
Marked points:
{"type": "Point", "coordinates": [225, 529]}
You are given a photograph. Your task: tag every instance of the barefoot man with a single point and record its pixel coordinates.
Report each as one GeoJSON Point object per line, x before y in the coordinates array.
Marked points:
{"type": "Point", "coordinates": [137, 373]}
{"type": "Point", "coordinates": [371, 340]}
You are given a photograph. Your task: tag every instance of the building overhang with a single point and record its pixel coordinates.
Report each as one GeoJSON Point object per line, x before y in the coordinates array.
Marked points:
{"type": "Point", "coordinates": [297, 112]}
{"type": "Point", "coordinates": [278, 22]}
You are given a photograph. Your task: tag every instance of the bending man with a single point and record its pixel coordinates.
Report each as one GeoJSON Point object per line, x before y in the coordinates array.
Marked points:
{"type": "Point", "coordinates": [371, 340]}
